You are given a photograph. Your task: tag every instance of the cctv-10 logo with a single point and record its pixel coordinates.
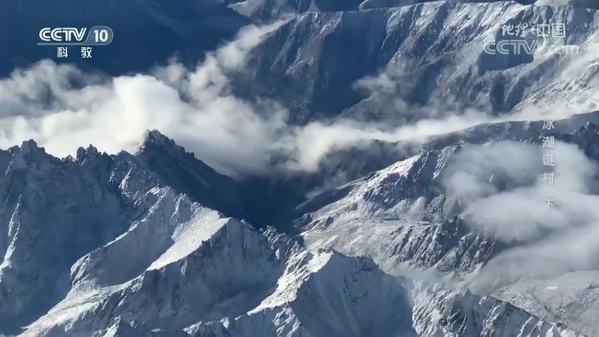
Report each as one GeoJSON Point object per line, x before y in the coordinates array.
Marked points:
{"type": "Point", "coordinates": [97, 35]}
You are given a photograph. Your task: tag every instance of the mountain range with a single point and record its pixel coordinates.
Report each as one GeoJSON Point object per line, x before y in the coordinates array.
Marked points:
{"type": "Point", "coordinates": [454, 232]}
{"type": "Point", "coordinates": [117, 245]}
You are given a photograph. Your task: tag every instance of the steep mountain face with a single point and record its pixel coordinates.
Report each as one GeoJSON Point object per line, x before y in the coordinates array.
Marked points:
{"type": "Point", "coordinates": [406, 214]}
{"type": "Point", "coordinates": [407, 219]}
{"type": "Point", "coordinates": [284, 291]}
{"type": "Point", "coordinates": [52, 213]}
{"type": "Point", "coordinates": [401, 214]}
{"type": "Point", "coordinates": [193, 276]}
{"type": "Point", "coordinates": [56, 210]}
{"type": "Point", "coordinates": [182, 171]}
{"type": "Point", "coordinates": [400, 64]}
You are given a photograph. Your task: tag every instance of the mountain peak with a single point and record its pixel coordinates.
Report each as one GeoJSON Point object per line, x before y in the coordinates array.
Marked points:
{"type": "Point", "coordinates": [28, 147]}
{"type": "Point", "coordinates": [154, 139]}
{"type": "Point", "coordinates": [186, 173]}
{"type": "Point", "coordinates": [83, 153]}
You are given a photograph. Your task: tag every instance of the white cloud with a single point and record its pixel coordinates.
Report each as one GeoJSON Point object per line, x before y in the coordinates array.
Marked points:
{"type": "Point", "coordinates": [503, 194]}
{"type": "Point", "coordinates": [63, 108]}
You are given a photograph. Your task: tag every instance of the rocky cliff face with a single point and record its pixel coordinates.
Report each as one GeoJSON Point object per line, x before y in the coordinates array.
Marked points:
{"type": "Point", "coordinates": [57, 210]}
{"type": "Point", "coordinates": [404, 63]}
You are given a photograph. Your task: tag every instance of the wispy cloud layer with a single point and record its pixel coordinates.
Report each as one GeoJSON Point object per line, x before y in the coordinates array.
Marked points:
{"type": "Point", "coordinates": [549, 228]}
{"type": "Point", "coordinates": [63, 108]}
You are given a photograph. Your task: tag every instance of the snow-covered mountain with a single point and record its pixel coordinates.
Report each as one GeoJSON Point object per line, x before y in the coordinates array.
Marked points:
{"type": "Point", "coordinates": [411, 221]}
{"type": "Point", "coordinates": [446, 236]}
{"type": "Point", "coordinates": [56, 210]}
{"type": "Point", "coordinates": [571, 298]}
{"type": "Point", "coordinates": [103, 245]}
{"type": "Point", "coordinates": [407, 63]}
{"type": "Point", "coordinates": [268, 10]}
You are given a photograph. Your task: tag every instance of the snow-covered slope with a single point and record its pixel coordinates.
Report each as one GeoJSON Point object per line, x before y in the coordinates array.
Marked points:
{"type": "Point", "coordinates": [115, 251]}
{"type": "Point", "coordinates": [212, 267]}
{"type": "Point", "coordinates": [405, 213]}
{"type": "Point", "coordinates": [572, 298]}
{"type": "Point", "coordinates": [53, 212]}
{"type": "Point", "coordinates": [410, 221]}
{"type": "Point", "coordinates": [183, 172]}
{"type": "Point", "coordinates": [275, 9]}
{"type": "Point", "coordinates": [237, 281]}
{"type": "Point", "coordinates": [463, 315]}
{"type": "Point", "coordinates": [56, 210]}
{"type": "Point", "coordinates": [400, 215]}
{"type": "Point", "coordinates": [412, 62]}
